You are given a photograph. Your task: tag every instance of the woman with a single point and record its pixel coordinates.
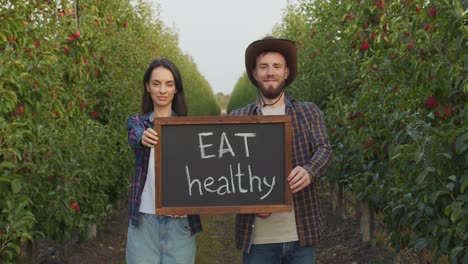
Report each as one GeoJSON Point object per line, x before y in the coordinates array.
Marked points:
{"type": "Point", "coordinates": [152, 238]}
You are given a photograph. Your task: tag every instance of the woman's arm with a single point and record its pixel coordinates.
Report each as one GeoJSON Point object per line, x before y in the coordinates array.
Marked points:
{"type": "Point", "coordinates": [135, 127]}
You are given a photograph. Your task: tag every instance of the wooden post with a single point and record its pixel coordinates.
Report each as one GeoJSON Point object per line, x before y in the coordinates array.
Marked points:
{"type": "Point", "coordinates": [31, 251]}
{"type": "Point", "coordinates": [92, 231]}
{"type": "Point", "coordinates": [341, 209]}
{"type": "Point", "coordinates": [397, 258]}
{"type": "Point", "coordinates": [77, 17]}
{"type": "Point", "coordinates": [367, 221]}
{"type": "Point", "coordinates": [332, 197]}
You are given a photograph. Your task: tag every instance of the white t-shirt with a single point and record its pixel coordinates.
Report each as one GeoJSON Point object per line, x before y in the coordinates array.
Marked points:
{"type": "Point", "coordinates": [148, 196]}
{"type": "Point", "coordinates": [278, 227]}
{"type": "Point", "coordinates": [148, 205]}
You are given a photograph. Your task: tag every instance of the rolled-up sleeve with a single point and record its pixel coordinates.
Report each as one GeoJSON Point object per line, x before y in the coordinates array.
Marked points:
{"type": "Point", "coordinates": [135, 127]}
{"type": "Point", "coordinates": [320, 144]}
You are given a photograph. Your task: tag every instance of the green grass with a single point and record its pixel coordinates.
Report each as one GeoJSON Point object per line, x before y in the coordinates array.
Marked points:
{"type": "Point", "coordinates": [216, 243]}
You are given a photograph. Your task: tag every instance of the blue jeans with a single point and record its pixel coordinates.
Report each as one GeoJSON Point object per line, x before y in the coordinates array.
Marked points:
{"type": "Point", "coordinates": [160, 240]}
{"type": "Point", "coordinates": [285, 253]}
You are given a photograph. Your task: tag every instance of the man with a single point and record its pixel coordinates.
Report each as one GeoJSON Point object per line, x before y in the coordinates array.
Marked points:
{"type": "Point", "coordinates": [290, 237]}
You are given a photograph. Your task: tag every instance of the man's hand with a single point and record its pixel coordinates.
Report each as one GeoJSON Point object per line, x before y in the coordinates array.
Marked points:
{"type": "Point", "coordinates": [298, 179]}
{"type": "Point", "coordinates": [263, 215]}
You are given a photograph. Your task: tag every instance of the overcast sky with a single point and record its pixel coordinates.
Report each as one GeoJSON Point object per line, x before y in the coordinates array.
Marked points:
{"type": "Point", "coordinates": [215, 33]}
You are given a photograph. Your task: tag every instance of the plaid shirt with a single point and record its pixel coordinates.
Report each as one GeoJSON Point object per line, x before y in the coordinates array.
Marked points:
{"type": "Point", "coordinates": [136, 125]}
{"type": "Point", "coordinates": [312, 151]}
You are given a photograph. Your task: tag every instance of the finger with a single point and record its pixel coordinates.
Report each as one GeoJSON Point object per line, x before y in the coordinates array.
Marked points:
{"type": "Point", "coordinates": [150, 137]}
{"type": "Point", "coordinates": [295, 176]}
{"type": "Point", "coordinates": [152, 141]}
{"type": "Point", "coordinates": [300, 181]}
{"type": "Point", "coordinates": [301, 184]}
{"type": "Point", "coordinates": [293, 173]}
{"type": "Point", "coordinates": [178, 216]}
{"type": "Point", "coordinates": [152, 131]}
{"type": "Point", "coordinates": [148, 142]}
{"type": "Point", "coordinates": [263, 215]}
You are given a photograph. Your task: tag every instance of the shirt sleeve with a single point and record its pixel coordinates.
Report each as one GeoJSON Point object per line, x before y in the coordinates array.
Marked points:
{"type": "Point", "coordinates": [135, 127]}
{"type": "Point", "coordinates": [321, 148]}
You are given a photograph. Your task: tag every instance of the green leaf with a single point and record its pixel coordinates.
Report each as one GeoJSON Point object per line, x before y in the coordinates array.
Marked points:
{"type": "Point", "coordinates": [16, 185]}
{"type": "Point", "coordinates": [447, 210]}
{"type": "Point", "coordinates": [450, 186]}
{"type": "Point", "coordinates": [457, 211]}
{"type": "Point", "coordinates": [445, 242]}
{"type": "Point", "coordinates": [421, 243]}
{"type": "Point", "coordinates": [420, 206]}
{"type": "Point", "coordinates": [27, 236]}
{"type": "Point", "coordinates": [465, 258]}
{"type": "Point", "coordinates": [443, 222]}
{"type": "Point", "coordinates": [452, 178]}
{"type": "Point", "coordinates": [13, 246]}
{"type": "Point", "coordinates": [429, 211]}
{"type": "Point", "coordinates": [397, 208]}
{"type": "Point", "coordinates": [3, 37]}
{"type": "Point", "coordinates": [6, 165]}
{"type": "Point", "coordinates": [461, 144]}
{"type": "Point", "coordinates": [422, 176]}
{"type": "Point", "coordinates": [463, 186]}
{"type": "Point", "coordinates": [455, 252]}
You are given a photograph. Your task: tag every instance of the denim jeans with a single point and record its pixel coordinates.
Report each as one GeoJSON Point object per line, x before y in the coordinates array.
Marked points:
{"type": "Point", "coordinates": [285, 253]}
{"type": "Point", "coordinates": [160, 240]}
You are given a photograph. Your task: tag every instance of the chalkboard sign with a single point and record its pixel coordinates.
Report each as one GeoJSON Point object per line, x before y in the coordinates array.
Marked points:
{"type": "Point", "coordinates": [228, 164]}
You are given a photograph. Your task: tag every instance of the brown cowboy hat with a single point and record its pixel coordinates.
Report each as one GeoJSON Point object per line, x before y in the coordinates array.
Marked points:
{"type": "Point", "coordinates": [283, 46]}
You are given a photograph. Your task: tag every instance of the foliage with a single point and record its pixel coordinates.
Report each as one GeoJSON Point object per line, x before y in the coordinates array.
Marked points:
{"type": "Point", "coordinates": [244, 92]}
{"type": "Point", "coordinates": [391, 78]}
{"type": "Point", "coordinates": [70, 72]}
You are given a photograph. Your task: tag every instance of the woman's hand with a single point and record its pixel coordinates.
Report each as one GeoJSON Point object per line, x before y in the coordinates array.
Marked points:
{"type": "Point", "coordinates": [150, 138]}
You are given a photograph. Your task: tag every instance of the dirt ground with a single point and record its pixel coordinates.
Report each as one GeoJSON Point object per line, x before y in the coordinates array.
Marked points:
{"type": "Point", "coordinates": [342, 244]}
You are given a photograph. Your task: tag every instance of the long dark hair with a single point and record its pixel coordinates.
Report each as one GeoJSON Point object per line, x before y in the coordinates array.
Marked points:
{"type": "Point", "coordinates": [179, 104]}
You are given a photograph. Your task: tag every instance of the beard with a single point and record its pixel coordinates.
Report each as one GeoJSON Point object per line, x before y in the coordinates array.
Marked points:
{"type": "Point", "coordinates": [271, 92]}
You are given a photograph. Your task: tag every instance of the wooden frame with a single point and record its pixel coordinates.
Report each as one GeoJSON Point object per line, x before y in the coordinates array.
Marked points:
{"type": "Point", "coordinates": [161, 123]}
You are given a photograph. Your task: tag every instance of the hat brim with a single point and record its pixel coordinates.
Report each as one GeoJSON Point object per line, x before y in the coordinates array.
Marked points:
{"type": "Point", "coordinates": [284, 46]}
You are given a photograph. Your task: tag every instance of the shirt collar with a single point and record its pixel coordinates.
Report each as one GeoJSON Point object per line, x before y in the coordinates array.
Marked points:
{"type": "Point", "coordinates": [150, 116]}
{"type": "Point", "coordinates": [288, 101]}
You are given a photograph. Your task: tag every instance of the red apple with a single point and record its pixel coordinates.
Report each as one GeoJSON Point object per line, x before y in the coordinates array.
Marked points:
{"type": "Point", "coordinates": [94, 115]}
{"type": "Point", "coordinates": [444, 112]}
{"type": "Point", "coordinates": [75, 206]}
{"type": "Point", "coordinates": [431, 102]}
{"type": "Point", "coordinates": [432, 11]}
{"type": "Point", "coordinates": [379, 4]}
{"type": "Point", "coordinates": [364, 46]}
